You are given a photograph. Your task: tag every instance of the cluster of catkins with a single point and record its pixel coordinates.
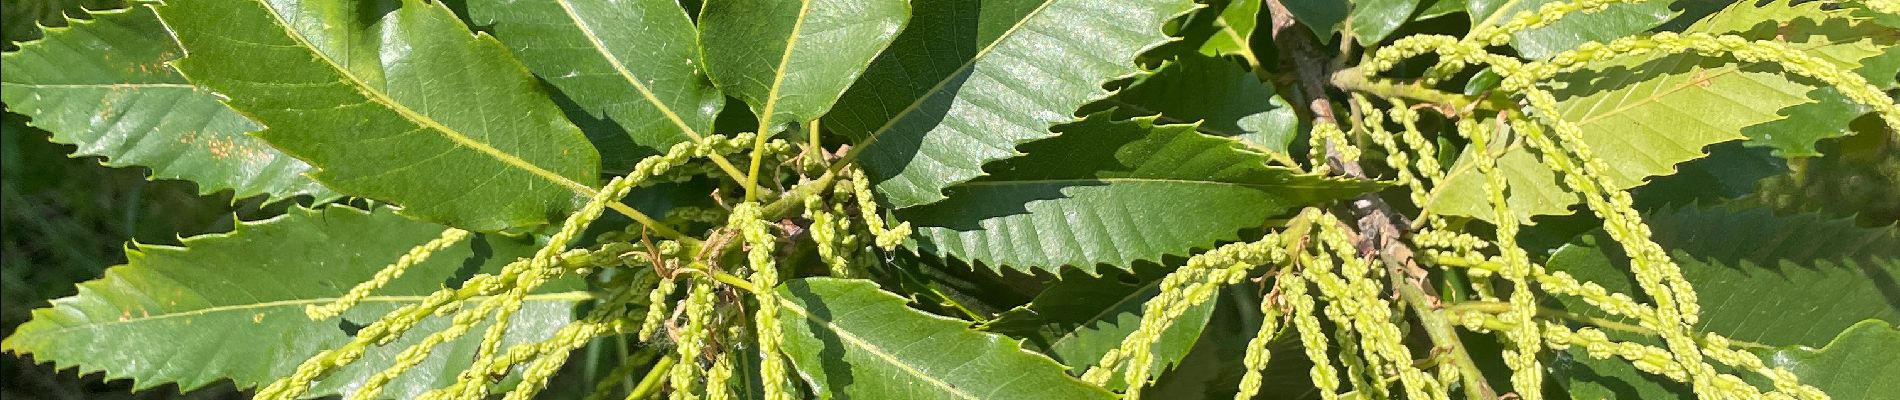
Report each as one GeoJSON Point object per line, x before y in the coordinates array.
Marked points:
{"type": "Point", "coordinates": [1316, 250]}
{"type": "Point", "coordinates": [639, 300]}
{"type": "Point", "coordinates": [1316, 260]}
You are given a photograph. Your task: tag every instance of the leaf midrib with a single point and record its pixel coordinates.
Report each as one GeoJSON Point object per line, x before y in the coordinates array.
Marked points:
{"type": "Point", "coordinates": [876, 351]}
{"type": "Point", "coordinates": [415, 117]}
{"type": "Point", "coordinates": [593, 40]}
{"type": "Point", "coordinates": [574, 296]}
{"type": "Point", "coordinates": [778, 75]}
{"type": "Point", "coordinates": [945, 82]}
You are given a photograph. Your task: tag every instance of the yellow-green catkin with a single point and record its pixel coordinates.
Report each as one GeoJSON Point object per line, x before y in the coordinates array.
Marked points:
{"type": "Point", "coordinates": [717, 377]}
{"type": "Point", "coordinates": [886, 237]}
{"type": "Point", "coordinates": [382, 332]}
{"type": "Point", "coordinates": [692, 339]}
{"type": "Point", "coordinates": [1596, 344]}
{"type": "Point", "coordinates": [1259, 350]}
{"type": "Point", "coordinates": [656, 299]}
{"type": "Point", "coordinates": [828, 227]}
{"type": "Point", "coordinates": [541, 269]}
{"type": "Point", "coordinates": [382, 278]}
{"type": "Point", "coordinates": [1381, 337]}
{"type": "Point", "coordinates": [1190, 286]}
{"type": "Point", "coordinates": [1524, 338]}
{"type": "Point", "coordinates": [1344, 310]}
{"type": "Point", "coordinates": [760, 245]}
{"type": "Point", "coordinates": [1305, 316]}
{"type": "Point", "coordinates": [1327, 136]}
{"type": "Point", "coordinates": [546, 357]}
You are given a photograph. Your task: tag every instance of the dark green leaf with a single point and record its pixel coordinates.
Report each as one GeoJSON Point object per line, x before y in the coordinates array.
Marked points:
{"type": "Point", "coordinates": [230, 306]}
{"type": "Point", "coordinates": [407, 107]}
{"type": "Point", "coordinates": [102, 85]}
{"type": "Point", "coordinates": [790, 60]}
{"type": "Point", "coordinates": [1081, 318]}
{"type": "Point", "coordinates": [1616, 21]}
{"type": "Point", "coordinates": [633, 63]}
{"type": "Point", "coordinates": [1372, 20]}
{"type": "Point", "coordinates": [1073, 200]}
{"type": "Point", "coordinates": [968, 81]}
{"type": "Point", "coordinates": [1757, 275]}
{"type": "Point", "coordinates": [1224, 99]}
{"type": "Point", "coordinates": [1324, 17]}
{"type": "Point", "coordinates": [851, 340]}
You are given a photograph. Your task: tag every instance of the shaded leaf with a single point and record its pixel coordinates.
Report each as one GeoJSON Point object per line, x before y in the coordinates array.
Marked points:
{"type": "Point", "coordinates": [1324, 17]}
{"type": "Point", "coordinates": [102, 85]}
{"type": "Point", "coordinates": [1223, 99]}
{"type": "Point", "coordinates": [1071, 201]}
{"type": "Point", "coordinates": [1618, 103]}
{"type": "Point", "coordinates": [1372, 20]}
{"type": "Point", "coordinates": [631, 62]}
{"type": "Point", "coordinates": [790, 60]}
{"type": "Point", "coordinates": [851, 340]}
{"type": "Point", "coordinates": [968, 81]}
{"type": "Point", "coordinates": [1616, 21]}
{"type": "Point", "coordinates": [1080, 318]}
{"type": "Point", "coordinates": [230, 305]}
{"type": "Point", "coordinates": [1793, 280]}
{"type": "Point", "coordinates": [409, 108]}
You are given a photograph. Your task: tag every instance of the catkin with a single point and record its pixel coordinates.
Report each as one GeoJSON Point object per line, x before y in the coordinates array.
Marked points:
{"type": "Point", "coordinates": [389, 273]}
{"type": "Point", "coordinates": [1259, 350]}
{"type": "Point", "coordinates": [759, 247]}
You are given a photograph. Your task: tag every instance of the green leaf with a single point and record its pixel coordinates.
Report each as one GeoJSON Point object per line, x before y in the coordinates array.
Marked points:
{"type": "Point", "coordinates": [790, 60]}
{"type": "Point", "coordinates": [1429, 9]}
{"type": "Point", "coordinates": [1618, 103]}
{"type": "Point", "coordinates": [968, 81]}
{"type": "Point", "coordinates": [1616, 21]}
{"type": "Point", "coordinates": [1324, 17]}
{"type": "Point", "coordinates": [1226, 101]}
{"type": "Point", "coordinates": [1234, 30]}
{"type": "Point", "coordinates": [1072, 200]}
{"type": "Point", "coordinates": [1080, 318]}
{"type": "Point", "coordinates": [408, 108]}
{"type": "Point", "coordinates": [102, 85]}
{"type": "Point", "coordinates": [22, 19]}
{"type": "Point", "coordinates": [851, 340]}
{"type": "Point", "coordinates": [1372, 20]}
{"type": "Point", "coordinates": [230, 305]}
{"type": "Point", "coordinates": [633, 63]}
{"type": "Point", "coordinates": [1863, 363]}
{"type": "Point", "coordinates": [1757, 275]}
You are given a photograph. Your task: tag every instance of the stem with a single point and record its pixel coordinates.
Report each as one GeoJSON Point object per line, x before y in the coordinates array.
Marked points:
{"type": "Point", "coordinates": [650, 385]}
{"type": "Point", "coordinates": [650, 223]}
{"type": "Point", "coordinates": [1379, 226]}
{"type": "Point", "coordinates": [1448, 103]}
{"type": "Point", "coordinates": [812, 129]}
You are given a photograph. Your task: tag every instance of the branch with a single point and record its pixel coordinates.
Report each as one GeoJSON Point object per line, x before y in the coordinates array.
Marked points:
{"type": "Point", "coordinates": [1379, 226]}
{"type": "Point", "coordinates": [1447, 103]}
